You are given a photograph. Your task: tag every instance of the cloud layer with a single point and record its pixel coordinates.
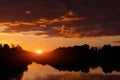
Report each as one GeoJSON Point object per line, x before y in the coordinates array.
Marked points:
{"type": "Point", "coordinates": [61, 18]}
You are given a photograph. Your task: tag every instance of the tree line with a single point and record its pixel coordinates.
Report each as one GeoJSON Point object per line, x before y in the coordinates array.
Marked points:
{"type": "Point", "coordinates": [14, 60]}
{"type": "Point", "coordinates": [83, 57]}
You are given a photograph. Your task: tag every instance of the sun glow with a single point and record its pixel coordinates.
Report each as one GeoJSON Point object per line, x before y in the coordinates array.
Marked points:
{"type": "Point", "coordinates": [39, 52]}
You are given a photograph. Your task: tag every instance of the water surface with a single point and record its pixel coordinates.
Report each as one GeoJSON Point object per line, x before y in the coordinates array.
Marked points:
{"type": "Point", "coordinates": [47, 72]}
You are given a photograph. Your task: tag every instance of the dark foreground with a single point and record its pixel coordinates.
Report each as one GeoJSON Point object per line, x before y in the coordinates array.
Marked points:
{"type": "Point", "coordinates": [14, 60]}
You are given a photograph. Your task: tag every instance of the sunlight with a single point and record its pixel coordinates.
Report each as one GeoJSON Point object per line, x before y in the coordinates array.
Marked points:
{"type": "Point", "coordinates": [39, 52]}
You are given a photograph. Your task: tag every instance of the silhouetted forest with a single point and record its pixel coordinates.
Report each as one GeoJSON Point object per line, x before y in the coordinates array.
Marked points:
{"type": "Point", "coordinates": [83, 57]}
{"type": "Point", "coordinates": [14, 60]}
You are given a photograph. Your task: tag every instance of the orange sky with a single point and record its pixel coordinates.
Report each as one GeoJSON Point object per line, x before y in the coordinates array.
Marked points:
{"type": "Point", "coordinates": [33, 42]}
{"type": "Point", "coordinates": [46, 25]}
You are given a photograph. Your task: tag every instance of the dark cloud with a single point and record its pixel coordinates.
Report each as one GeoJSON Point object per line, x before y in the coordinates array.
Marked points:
{"type": "Point", "coordinates": [116, 41]}
{"type": "Point", "coordinates": [80, 18]}
{"type": "Point", "coordinates": [16, 10]}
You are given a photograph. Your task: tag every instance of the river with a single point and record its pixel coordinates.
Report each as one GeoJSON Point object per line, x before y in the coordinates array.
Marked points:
{"type": "Point", "coordinates": [47, 72]}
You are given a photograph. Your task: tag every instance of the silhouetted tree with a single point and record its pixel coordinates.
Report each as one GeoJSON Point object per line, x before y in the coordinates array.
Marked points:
{"type": "Point", "coordinates": [83, 57]}
{"type": "Point", "coordinates": [14, 60]}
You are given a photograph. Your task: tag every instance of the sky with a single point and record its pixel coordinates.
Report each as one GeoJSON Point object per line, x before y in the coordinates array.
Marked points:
{"type": "Point", "coordinates": [49, 24]}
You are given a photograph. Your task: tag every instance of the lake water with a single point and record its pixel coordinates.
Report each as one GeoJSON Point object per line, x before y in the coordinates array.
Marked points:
{"type": "Point", "coordinates": [47, 72]}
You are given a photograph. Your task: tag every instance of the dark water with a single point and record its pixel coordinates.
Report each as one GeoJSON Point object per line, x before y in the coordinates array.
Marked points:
{"type": "Point", "coordinates": [47, 72]}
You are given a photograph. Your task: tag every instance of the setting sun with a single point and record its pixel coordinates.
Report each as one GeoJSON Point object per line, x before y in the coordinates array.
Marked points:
{"type": "Point", "coordinates": [38, 51]}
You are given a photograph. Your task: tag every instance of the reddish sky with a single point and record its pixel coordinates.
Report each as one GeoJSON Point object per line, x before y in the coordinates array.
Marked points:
{"type": "Point", "coordinates": [46, 25]}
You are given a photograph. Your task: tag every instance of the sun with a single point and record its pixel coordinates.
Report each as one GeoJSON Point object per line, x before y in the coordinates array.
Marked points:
{"type": "Point", "coordinates": [39, 51]}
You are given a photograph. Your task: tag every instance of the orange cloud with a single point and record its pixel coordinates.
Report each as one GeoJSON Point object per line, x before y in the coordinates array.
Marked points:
{"type": "Point", "coordinates": [58, 20]}
{"type": "Point", "coordinates": [16, 23]}
{"type": "Point", "coordinates": [98, 18]}
{"type": "Point", "coordinates": [71, 13]}
{"type": "Point", "coordinates": [67, 26]}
